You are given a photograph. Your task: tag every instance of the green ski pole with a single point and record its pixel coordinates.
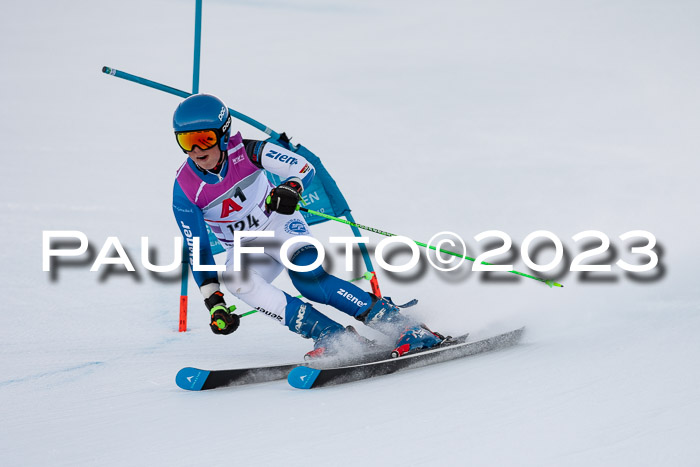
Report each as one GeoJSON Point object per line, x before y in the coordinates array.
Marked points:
{"type": "Point", "coordinates": [549, 282]}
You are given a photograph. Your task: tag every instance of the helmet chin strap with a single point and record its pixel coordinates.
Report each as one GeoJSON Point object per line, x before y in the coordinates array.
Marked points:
{"type": "Point", "coordinates": [217, 168]}
{"type": "Point", "coordinates": [220, 164]}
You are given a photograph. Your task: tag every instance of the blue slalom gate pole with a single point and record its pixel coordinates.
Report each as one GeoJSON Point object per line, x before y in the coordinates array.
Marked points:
{"type": "Point", "coordinates": [178, 92]}
{"type": "Point", "coordinates": [197, 45]}
{"type": "Point", "coordinates": [146, 82]}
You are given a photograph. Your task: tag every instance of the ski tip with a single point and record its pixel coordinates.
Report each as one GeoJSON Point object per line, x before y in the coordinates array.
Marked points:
{"type": "Point", "coordinates": [191, 379]}
{"type": "Point", "coordinates": [302, 377]}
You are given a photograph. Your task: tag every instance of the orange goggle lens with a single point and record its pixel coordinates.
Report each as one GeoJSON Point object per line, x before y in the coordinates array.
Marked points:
{"type": "Point", "coordinates": [203, 139]}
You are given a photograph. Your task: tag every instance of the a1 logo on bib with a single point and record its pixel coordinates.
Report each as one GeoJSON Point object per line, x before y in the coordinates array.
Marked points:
{"type": "Point", "coordinates": [229, 206]}
{"type": "Point", "coordinates": [295, 226]}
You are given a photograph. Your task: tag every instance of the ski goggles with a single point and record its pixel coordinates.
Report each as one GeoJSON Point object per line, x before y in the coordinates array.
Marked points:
{"type": "Point", "coordinates": [204, 139]}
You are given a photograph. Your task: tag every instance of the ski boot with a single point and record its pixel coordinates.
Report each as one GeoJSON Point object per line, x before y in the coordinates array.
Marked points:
{"type": "Point", "coordinates": [384, 316]}
{"type": "Point", "coordinates": [335, 342]}
{"type": "Point", "coordinates": [417, 337]}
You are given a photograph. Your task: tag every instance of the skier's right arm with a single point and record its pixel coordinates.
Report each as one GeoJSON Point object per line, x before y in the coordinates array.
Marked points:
{"type": "Point", "coordinates": [190, 221]}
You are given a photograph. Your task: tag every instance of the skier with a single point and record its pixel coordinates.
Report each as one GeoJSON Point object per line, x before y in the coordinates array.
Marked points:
{"type": "Point", "coordinates": [223, 184]}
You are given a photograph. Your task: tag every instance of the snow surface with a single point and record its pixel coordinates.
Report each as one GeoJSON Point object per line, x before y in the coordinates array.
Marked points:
{"type": "Point", "coordinates": [461, 116]}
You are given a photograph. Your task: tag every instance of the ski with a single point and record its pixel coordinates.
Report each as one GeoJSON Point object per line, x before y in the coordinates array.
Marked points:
{"type": "Point", "coordinates": [196, 379]}
{"type": "Point", "coordinates": [304, 377]}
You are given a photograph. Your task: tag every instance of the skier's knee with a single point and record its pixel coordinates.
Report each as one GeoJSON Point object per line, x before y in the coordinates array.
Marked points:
{"type": "Point", "coordinates": [239, 287]}
{"type": "Point", "coordinates": [239, 282]}
{"type": "Point", "coordinates": [309, 283]}
{"type": "Point", "coordinates": [305, 256]}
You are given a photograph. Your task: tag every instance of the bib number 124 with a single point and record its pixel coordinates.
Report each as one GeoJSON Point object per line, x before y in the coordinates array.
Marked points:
{"type": "Point", "coordinates": [250, 223]}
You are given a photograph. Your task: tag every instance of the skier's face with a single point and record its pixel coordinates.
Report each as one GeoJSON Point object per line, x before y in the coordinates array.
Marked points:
{"type": "Point", "coordinates": [206, 159]}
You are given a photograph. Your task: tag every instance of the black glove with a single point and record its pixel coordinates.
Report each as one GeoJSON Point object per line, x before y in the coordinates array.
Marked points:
{"type": "Point", "coordinates": [223, 318]}
{"type": "Point", "coordinates": [284, 197]}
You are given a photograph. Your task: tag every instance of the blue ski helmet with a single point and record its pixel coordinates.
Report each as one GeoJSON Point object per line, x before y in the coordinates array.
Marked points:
{"type": "Point", "coordinates": [203, 112]}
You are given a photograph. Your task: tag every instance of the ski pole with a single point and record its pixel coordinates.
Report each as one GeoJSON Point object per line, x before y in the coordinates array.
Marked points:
{"type": "Point", "coordinates": [549, 282]}
{"type": "Point", "coordinates": [367, 276]}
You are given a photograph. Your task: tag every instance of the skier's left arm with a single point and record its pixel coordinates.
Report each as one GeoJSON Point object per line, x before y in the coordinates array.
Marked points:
{"type": "Point", "coordinates": [280, 161]}
{"type": "Point", "coordinates": [295, 171]}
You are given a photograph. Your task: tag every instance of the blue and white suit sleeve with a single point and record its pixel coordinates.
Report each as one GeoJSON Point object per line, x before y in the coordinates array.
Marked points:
{"type": "Point", "coordinates": [190, 221]}
{"type": "Point", "coordinates": [280, 161]}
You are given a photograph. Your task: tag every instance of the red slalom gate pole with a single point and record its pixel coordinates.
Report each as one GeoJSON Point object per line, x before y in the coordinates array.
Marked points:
{"type": "Point", "coordinates": [375, 285]}
{"type": "Point", "coordinates": [183, 288]}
